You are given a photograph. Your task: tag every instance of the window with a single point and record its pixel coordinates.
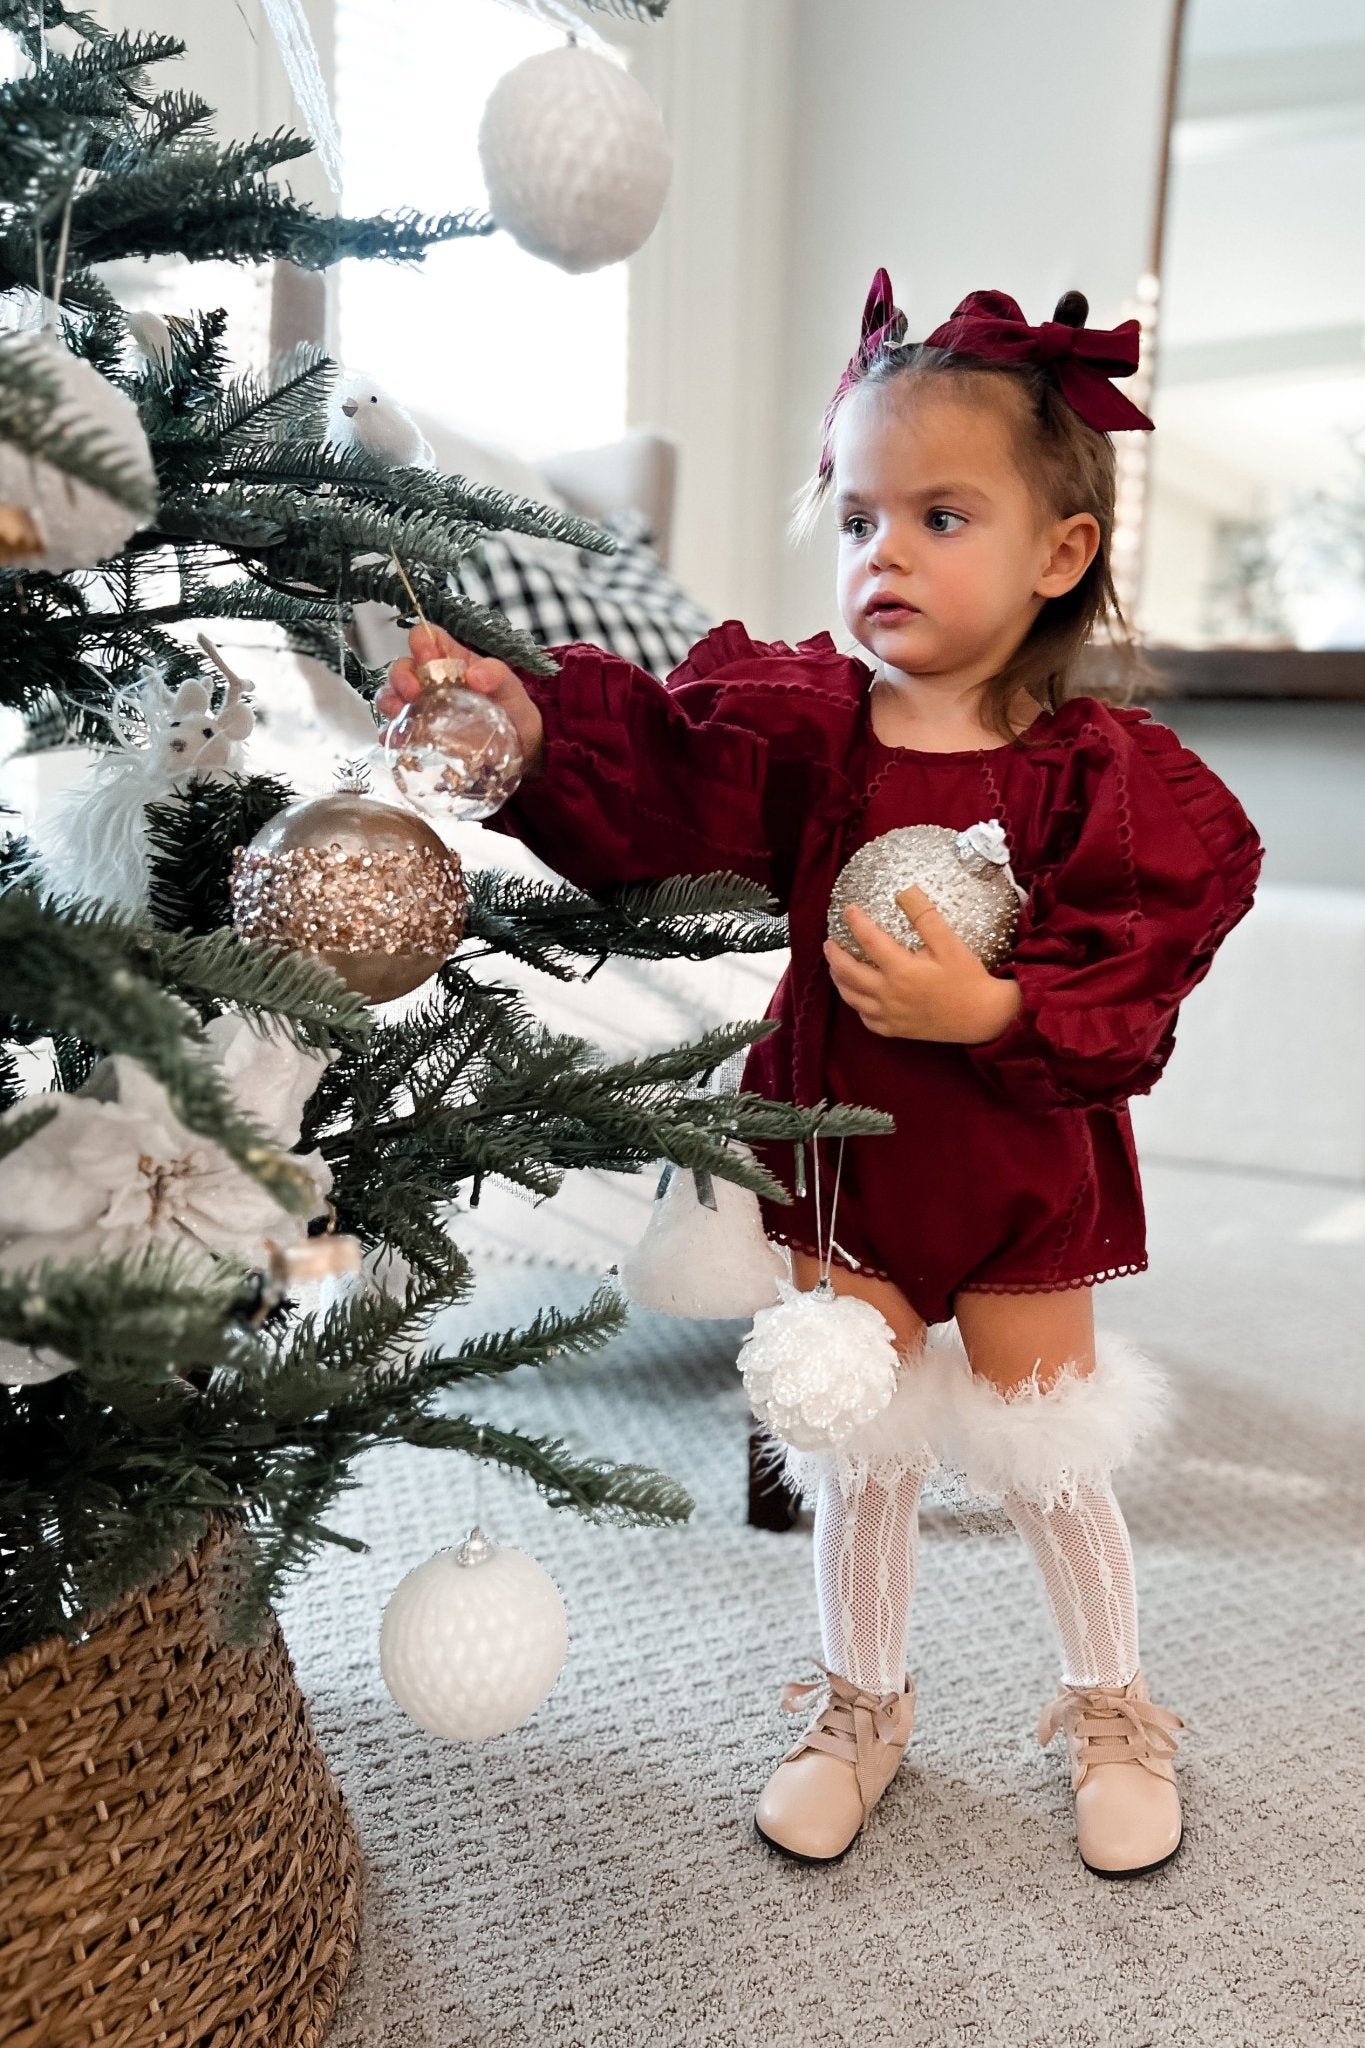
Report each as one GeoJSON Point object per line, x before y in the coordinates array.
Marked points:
{"type": "Point", "coordinates": [506, 348]}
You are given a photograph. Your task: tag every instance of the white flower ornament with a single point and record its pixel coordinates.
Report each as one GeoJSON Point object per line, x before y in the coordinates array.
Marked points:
{"type": "Point", "coordinates": [114, 1170]}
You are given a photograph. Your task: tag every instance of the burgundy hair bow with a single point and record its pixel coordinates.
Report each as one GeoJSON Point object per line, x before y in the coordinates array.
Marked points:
{"type": "Point", "coordinates": [990, 324]}
{"type": "Point", "coordinates": [880, 317]}
{"type": "Point", "coordinates": [991, 327]}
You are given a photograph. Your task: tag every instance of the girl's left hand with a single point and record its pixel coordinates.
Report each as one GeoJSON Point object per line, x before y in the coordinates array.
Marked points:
{"type": "Point", "coordinates": [942, 993]}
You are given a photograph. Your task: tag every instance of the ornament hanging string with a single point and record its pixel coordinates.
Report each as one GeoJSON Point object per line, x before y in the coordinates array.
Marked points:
{"type": "Point", "coordinates": [341, 618]}
{"type": "Point", "coordinates": [825, 1258]}
{"type": "Point", "coordinates": [416, 602]}
{"type": "Point", "coordinates": [48, 311]}
{"type": "Point", "coordinates": [560, 14]}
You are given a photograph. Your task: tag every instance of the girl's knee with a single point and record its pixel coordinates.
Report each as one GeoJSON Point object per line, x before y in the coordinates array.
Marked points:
{"type": "Point", "coordinates": [1011, 1339]}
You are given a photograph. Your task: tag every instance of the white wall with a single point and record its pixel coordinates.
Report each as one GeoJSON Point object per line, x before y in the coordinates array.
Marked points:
{"type": "Point", "coordinates": [966, 146]}
{"type": "Point", "coordinates": [709, 308]}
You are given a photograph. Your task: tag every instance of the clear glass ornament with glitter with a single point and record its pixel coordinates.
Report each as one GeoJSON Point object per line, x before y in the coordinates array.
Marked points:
{"type": "Point", "coordinates": [966, 875]}
{"type": "Point", "coordinates": [453, 753]}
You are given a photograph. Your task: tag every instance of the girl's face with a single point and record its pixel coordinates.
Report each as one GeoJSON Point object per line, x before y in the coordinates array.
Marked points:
{"type": "Point", "coordinates": [945, 557]}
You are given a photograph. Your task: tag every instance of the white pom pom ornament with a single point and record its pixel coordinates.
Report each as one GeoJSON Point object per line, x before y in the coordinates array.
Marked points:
{"type": "Point", "coordinates": [575, 157]}
{"type": "Point", "coordinates": [703, 1258]}
{"type": "Point", "coordinates": [818, 1366]}
{"type": "Point", "coordinates": [473, 1641]}
{"type": "Point", "coordinates": [70, 524]}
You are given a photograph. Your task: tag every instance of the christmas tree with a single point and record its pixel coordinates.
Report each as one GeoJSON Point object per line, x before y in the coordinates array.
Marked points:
{"type": "Point", "coordinates": [190, 1115]}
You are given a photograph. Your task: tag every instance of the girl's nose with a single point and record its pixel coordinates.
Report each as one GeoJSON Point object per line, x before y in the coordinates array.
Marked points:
{"type": "Point", "coordinates": [889, 551]}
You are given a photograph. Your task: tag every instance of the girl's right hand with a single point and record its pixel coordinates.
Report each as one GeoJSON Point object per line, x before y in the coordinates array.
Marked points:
{"type": "Point", "coordinates": [491, 678]}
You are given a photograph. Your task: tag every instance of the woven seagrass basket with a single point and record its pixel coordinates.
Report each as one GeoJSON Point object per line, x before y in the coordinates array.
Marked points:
{"type": "Point", "coordinates": [177, 1866]}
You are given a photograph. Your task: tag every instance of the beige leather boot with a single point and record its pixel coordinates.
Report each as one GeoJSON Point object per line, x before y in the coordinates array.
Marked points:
{"type": "Point", "coordinates": [814, 1805]}
{"type": "Point", "coordinates": [1121, 1745]}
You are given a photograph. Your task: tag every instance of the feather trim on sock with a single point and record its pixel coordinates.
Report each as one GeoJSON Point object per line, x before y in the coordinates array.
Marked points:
{"type": "Point", "coordinates": [1042, 1443]}
{"type": "Point", "coordinates": [904, 1438]}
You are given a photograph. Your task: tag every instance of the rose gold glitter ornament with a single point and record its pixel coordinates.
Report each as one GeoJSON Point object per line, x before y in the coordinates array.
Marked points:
{"type": "Point", "coordinates": [366, 886]}
{"type": "Point", "coordinates": [966, 875]}
{"type": "Point", "coordinates": [452, 752]}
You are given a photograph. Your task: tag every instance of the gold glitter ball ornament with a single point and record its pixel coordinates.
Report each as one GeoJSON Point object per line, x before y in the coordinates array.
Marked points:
{"type": "Point", "coordinates": [966, 875]}
{"type": "Point", "coordinates": [452, 752]}
{"type": "Point", "coordinates": [367, 887]}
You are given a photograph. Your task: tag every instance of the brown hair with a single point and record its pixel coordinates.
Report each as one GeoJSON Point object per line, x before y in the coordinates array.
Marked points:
{"type": "Point", "coordinates": [1069, 467]}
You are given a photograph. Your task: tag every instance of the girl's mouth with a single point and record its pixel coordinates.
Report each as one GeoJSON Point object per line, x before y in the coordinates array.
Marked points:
{"type": "Point", "coordinates": [893, 611]}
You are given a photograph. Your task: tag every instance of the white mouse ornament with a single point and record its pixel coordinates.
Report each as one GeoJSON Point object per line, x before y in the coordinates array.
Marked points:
{"type": "Point", "coordinates": [91, 844]}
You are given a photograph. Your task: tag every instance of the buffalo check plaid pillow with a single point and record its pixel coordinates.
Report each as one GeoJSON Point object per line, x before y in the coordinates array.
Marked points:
{"type": "Point", "coordinates": [626, 603]}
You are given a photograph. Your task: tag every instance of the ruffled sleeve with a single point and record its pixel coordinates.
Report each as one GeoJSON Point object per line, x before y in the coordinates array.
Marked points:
{"type": "Point", "coordinates": [1122, 926]}
{"type": "Point", "coordinates": [709, 771]}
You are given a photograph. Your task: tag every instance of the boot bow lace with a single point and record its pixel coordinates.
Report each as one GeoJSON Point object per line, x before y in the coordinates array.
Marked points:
{"type": "Point", "coordinates": [850, 1722]}
{"type": "Point", "coordinates": [1108, 1727]}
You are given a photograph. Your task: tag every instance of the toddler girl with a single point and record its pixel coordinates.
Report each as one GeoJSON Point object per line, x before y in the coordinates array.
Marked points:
{"type": "Point", "coordinates": [973, 485]}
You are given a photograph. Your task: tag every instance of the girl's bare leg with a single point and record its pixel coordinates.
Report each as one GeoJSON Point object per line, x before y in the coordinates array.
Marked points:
{"type": "Point", "coordinates": [883, 1294]}
{"type": "Point", "coordinates": [1081, 1548]}
{"type": "Point", "coordinates": [1007, 1335]}
{"type": "Point", "coordinates": [867, 1543]}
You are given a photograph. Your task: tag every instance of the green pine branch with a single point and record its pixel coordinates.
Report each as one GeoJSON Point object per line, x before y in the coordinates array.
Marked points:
{"type": "Point", "coordinates": [195, 1400]}
{"type": "Point", "coordinates": [630, 10]}
{"type": "Point", "coordinates": [191, 837]}
{"type": "Point", "coordinates": [551, 925]}
{"type": "Point", "coordinates": [223, 970]}
{"type": "Point", "coordinates": [262, 1441]}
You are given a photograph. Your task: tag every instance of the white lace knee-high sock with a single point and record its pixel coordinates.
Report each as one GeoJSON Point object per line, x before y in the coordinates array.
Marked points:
{"type": "Point", "coordinates": [1086, 1561]}
{"type": "Point", "coordinates": [866, 1559]}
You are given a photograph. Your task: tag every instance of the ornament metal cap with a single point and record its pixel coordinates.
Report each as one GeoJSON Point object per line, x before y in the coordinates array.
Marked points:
{"type": "Point", "coordinates": [476, 1548]}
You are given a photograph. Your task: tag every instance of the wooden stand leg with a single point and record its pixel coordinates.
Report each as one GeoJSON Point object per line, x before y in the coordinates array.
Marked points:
{"type": "Point", "coordinates": [772, 1502]}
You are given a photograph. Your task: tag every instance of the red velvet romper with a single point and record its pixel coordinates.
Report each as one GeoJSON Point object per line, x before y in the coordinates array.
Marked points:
{"type": "Point", "coordinates": [1011, 1167]}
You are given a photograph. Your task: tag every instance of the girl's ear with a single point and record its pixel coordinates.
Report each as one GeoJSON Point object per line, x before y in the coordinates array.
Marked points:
{"type": "Point", "coordinates": [1074, 545]}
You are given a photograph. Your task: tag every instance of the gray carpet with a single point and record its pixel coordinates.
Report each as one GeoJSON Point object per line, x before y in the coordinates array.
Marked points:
{"type": "Point", "coordinates": [594, 1878]}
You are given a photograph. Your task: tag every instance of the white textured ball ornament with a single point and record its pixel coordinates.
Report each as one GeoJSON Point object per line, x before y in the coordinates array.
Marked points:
{"type": "Point", "coordinates": [818, 1366]}
{"type": "Point", "coordinates": [575, 157]}
{"type": "Point", "coordinates": [694, 1260]}
{"type": "Point", "coordinates": [473, 1641]}
{"type": "Point", "coordinates": [73, 526]}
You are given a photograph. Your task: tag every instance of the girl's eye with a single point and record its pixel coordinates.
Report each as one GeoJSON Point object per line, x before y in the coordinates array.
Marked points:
{"type": "Point", "coordinates": [855, 519]}
{"type": "Point", "coordinates": [942, 512]}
